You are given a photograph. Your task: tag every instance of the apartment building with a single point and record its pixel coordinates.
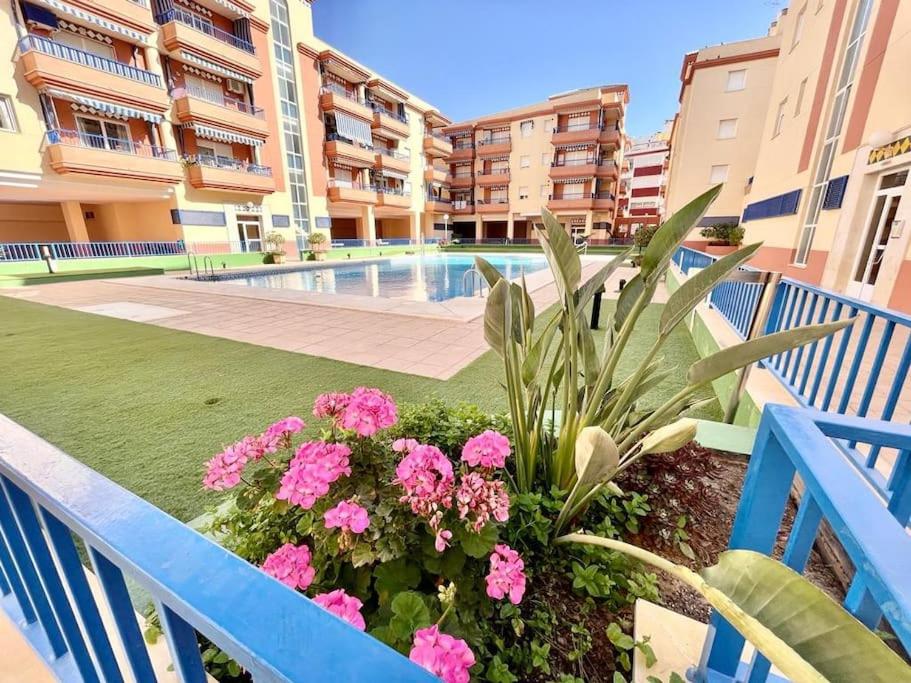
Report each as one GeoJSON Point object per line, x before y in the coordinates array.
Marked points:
{"type": "Point", "coordinates": [213, 122]}
{"type": "Point", "coordinates": [643, 183]}
{"type": "Point", "coordinates": [715, 137]}
{"type": "Point", "coordinates": [830, 197]}
{"type": "Point", "coordinates": [564, 153]}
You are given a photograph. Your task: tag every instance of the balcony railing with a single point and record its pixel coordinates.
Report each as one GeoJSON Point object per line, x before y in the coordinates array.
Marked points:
{"type": "Point", "coordinates": [352, 185]}
{"type": "Point", "coordinates": [605, 195]}
{"type": "Point", "coordinates": [394, 154]}
{"type": "Point", "coordinates": [75, 138]}
{"type": "Point", "coordinates": [228, 164]}
{"type": "Point", "coordinates": [341, 91]}
{"type": "Point", "coordinates": [463, 144]}
{"type": "Point", "coordinates": [574, 128]}
{"type": "Point", "coordinates": [376, 106]}
{"type": "Point", "coordinates": [333, 137]}
{"type": "Point", "coordinates": [71, 54]}
{"type": "Point", "coordinates": [573, 162]}
{"type": "Point", "coordinates": [495, 141]}
{"type": "Point", "coordinates": [399, 192]}
{"type": "Point", "coordinates": [494, 171]}
{"type": "Point", "coordinates": [219, 99]}
{"type": "Point", "coordinates": [438, 200]}
{"type": "Point", "coordinates": [438, 136]}
{"type": "Point", "coordinates": [197, 23]}
{"type": "Point", "coordinates": [493, 201]}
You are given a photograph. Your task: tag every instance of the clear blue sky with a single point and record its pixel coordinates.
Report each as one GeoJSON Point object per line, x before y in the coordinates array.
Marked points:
{"type": "Point", "coordinates": [516, 52]}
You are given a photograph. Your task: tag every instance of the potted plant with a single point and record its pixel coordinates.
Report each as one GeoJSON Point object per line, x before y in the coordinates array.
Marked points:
{"type": "Point", "coordinates": [723, 237]}
{"type": "Point", "coordinates": [275, 250]}
{"type": "Point", "coordinates": [319, 245]}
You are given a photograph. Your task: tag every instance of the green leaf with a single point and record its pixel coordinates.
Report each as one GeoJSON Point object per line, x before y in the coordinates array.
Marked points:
{"type": "Point", "coordinates": [561, 254]}
{"type": "Point", "coordinates": [362, 555]}
{"type": "Point", "coordinates": [618, 638]}
{"type": "Point", "coordinates": [590, 365]}
{"type": "Point", "coordinates": [234, 668]}
{"type": "Point", "coordinates": [596, 456]}
{"type": "Point", "coordinates": [648, 653]}
{"type": "Point", "coordinates": [675, 678]}
{"type": "Point", "coordinates": [478, 545]}
{"type": "Point", "coordinates": [669, 438]}
{"type": "Point", "coordinates": [394, 577]}
{"type": "Point", "coordinates": [498, 671]}
{"type": "Point", "coordinates": [595, 282]}
{"type": "Point", "coordinates": [673, 231]}
{"type": "Point", "coordinates": [619, 677]}
{"type": "Point", "coordinates": [696, 288]}
{"type": "Point", "coordinates": [734, 357]}
{"type": "Point", "coordinates": [634, 289]}
{"type": "Point", "coordinates": [410, 613]}
{"type": "Point", "coordinates": [495, 316]}
{"type": "Point", "coordinates": [654, 679]}
{"type": "Point", "coordinates": [491, 274]}
{"type": "Point", "coordinates": [151, 634]}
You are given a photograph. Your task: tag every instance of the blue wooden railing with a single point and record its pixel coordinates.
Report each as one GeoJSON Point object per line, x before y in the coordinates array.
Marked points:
{"type": "Point", "coordinates": [71, 54]}
{"type": "Point", "coordinates": [48, 499]}
{"type": "Point", "coordinates": [801, 442]}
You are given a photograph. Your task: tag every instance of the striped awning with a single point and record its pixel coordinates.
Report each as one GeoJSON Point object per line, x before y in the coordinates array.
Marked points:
{"type": "Point", "coordinates": [105, 106]}
{"type": "Point", "coordinates": [390, 173]}
{"type": "Point", "coordinates": [353, 128]}
{"type": "Point", "coordinates": [501, 157]}
{"type": "Point", "coordinates": [575, 148]}
{"type": "Point", "coordinates": [220, 135]}
{"type": "Point", "coordinates": [571, 181]}
{"type": "Point", "coordinates": [213, 67]}
{"type": "Point", "coordinates": [89, 18]}
{"type": "Point", "coordinates": [231, 7]}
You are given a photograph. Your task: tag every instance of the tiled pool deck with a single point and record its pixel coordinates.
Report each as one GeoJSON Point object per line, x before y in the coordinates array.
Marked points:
{"type": "Point", "coordinates": [432, 340]}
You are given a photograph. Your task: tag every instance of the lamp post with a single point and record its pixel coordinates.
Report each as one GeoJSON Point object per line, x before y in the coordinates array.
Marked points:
{"type": "Point", "coordinates": [446, 227]}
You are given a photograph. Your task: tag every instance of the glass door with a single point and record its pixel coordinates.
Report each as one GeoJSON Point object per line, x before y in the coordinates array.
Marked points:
{"type": "Point", "coordinates": [876, 240]}
{"type": "Point", "coordinates": [249, 232]}
{"type": "Point", "coordinates": [103, 134]}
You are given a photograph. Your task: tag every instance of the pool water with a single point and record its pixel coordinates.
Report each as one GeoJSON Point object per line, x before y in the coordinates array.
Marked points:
{"type": "Point", "coordinates": [435, 277]}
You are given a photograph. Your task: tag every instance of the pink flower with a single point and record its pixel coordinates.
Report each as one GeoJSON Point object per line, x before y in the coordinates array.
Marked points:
{"type": "Point", "coordinates": [348, 516]}
{"type": "Point", "coordinates": [488, 449]}
{"type": "Point", "coordinates": [278, 435]}
{"type": "Point", "coordinates": [441, 542]}
{"type": "Point", "coordinates": [343, 606]}
{"type": "Point", "coordinates": [314, 467]}
{"type": "Point", "coordinates": [404, 445]}
{"type": "Point", "coordinates": [330, 405]}
{"type": "Point", "coordinates": [507, 574]}
{"type": "Point", "coordinates": [479, 499]}
{"type": "Point", "coordinates": [442, 655]}
{"type": "Point", "coordinates": [290, 564]}
{"type": "Point", "coordinates": [427, 477]}
{"type": "Point", "coordinates": [224, 470]}
{"type": "Point", "coordinates": [368, 411]}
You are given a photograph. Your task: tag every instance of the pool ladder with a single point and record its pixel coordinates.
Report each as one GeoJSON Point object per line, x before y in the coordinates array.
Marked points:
{"type": "Point", "coordinates": [469, 277]}
{"type": "Point", "coordinates": [208, 267]}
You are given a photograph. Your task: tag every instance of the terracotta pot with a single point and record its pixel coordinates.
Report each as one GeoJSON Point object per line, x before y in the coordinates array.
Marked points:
{"type": "Point", "coordinates": [719, 249]}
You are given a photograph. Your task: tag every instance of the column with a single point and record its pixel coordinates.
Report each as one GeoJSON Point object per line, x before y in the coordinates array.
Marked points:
{"type": "Point", "coordinates": [414, 227]}
{"type": "Point", "coordinates": [367, 228]}
{"type": "Point", "coordinates": [510, 227]}
{"type": "Point", "coordinates": [589, 222]}
{"type": "Point", "coordinates": [478, 228]}
{"type": "Point", "coordinates": [75, 222]}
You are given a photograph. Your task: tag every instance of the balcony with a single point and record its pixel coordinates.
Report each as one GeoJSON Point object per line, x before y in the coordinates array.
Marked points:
{"type": "Point", "coordinates": [70, 151]}
{"type": "Point", "coordinates": [460, 180]}
{"type": "Point", "coordinates": [494, 146]}
{"type": "Point", "coordinates": [351, 193]}
{"type": "Point", "coordinates": [334, 98]}
{"type": "Point", "coordinates": [394, 161]}
{"type": "Point", "coordinates": [437, 146]}
{"type": "Point", "coordinates": [607, 168]}
{"type": "Point", "coordinates": [462, 151]}
{"type": "Point", "coordinates": [432, 174]}
{"type": "Point", "coordinates": [133, 13]}
{"type": "Point", "coordinates": [389, 124]}
{"type": "Point", "coordinates": [582, 202]}
{"type": "Point", "coordinates": [492, 206]}
{"type": "Point", "coordinates": [498, 176]}
{"type": "Point", "coordinates": [610, 137]}
{"type": "Point", "coordinates": [46, 64]}
{"type": "Point", "coordinates": [575, 134]}
{"type": "Point", "coordinates": [387, 196]}
{"type": "Point", "coordinates": [604, 201]}
{"type": "Point", "coordinates": [462, 207]}
{"type": "Point", "coordinates": [573, 168]}
{"type": "Point", "coordinates": [349, 153]}
{"type": "Point", "coordinates": [216, 173]}
{"type": "Point", "coordinates": [182, 30]}
{"type": "Point", "coordinates": [193, 105]}
{"type": "Point", "coordinates": [437, 205]}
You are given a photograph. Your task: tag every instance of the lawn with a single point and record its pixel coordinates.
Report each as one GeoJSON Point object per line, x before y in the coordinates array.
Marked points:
{"type": "Point", "coordinates": [146, 406]}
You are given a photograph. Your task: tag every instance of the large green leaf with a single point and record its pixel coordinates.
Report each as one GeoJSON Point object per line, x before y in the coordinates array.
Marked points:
{"type": "Point", "coordinates": [674, 230]}
{"type": "Point", "coordinates": [590, 365]}
{"type": "Point", "coordinates": [696, 288]}
{"type": "Point", "coordinates": [799, 628]}
{"type": "Point", "coordinates": [495, 315]}
{"type": "Point", "coordinates": [596, 457]}
{"type": "Point", "coordinates": [634, 289]}
{"type": "Point", "coordinates": [669, 438]}
{"type": "Point", "coordinates": [596, 281]}
{"type": "Point", "coordinates": [734, 357]}
{"type": "Point", "coordinates": [491, 274]}
{"type": "Point", "coordinates": [561, 254]}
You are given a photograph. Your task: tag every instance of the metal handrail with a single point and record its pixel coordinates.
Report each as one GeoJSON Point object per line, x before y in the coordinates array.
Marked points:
{"type": "Point", "coordinates": [228, 163]}
{"type": "Point", "coordinates": [336, 89]}
{"type": "Point", "coordinates": [72, 54]}
{"type": "Point", "coordinates": [195, 22]}
{"type": "Point", "coordinates": [381, 109]}
{"type": "Point", "coordinates": [219, 99]}
{"type": "Point", "coordinates": [77, 138]}
{"type": "Point", "coordinates": [332, 137]}
{"type": "Point", "coordinates": [494, 171]}
{"type": "Point", "coordinates": [495, 141]}
{"type": "Point", "coordinates": [469, 277]}
{"type": "Point", "coordinates": [574, 162]}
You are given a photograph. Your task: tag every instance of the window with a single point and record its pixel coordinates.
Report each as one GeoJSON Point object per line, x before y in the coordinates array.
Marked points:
{"type": "Point", "coordinates": [779, 117]}
{"type": "Point", "coordinates": [85, 44]}
{"type": "Point", "coordinates": [798, 27]}
{"type": "Point", "coordinates": [718, 174]}
{"type": "Point", "coordinates": [7, 117]}
{"type": "Point", "coordinates": [800, 92]}
{"type": "Point", "coordinates": [545, 158]}
{"type": "Point", "coordinates": [523, 193]}
{"type": "Point", "coordinates": [737, 80]}
{"type": "Point", "coordinates": [526, 128]}
{"type": "Point", "coordinates": [524, 161]}
{"type": "Point", "coordinates": [727, 129]}
{"type": "Point", "coordinates": [216, 151]}
{"type": "Point", "coordinates": [544, 192]}
{"type": "Point", "coordinates": [103, 134]}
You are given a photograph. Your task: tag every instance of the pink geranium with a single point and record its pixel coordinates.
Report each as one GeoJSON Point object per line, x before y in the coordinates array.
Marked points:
{"type": "Point", "coordinates": [278, 435]}
{"type": "Point", "coordinates": [347, 516]}
{"type": "Point", "coordinates": [314, 467]}
{"type": "Point", "coordinates": [478, 499]}
{"type": "Point", "coordinates": [507, 574]}
{"type": "Point", "coordinates": [442, 655]}
{"type": "Point", "coordinates": [488, 449]}
{"type": "Point", "coordinates": [342, 605]}
{"type": "Point", "coordinates": [404, 445]}
{"type": "Point", "coordinates": [330, 405]}
{"type": "Point", "coordinates": [441, 540]}
{"type": "Point", "coordinates": [290, 564]}
{"type": "Point", "coordinates": [225, 469]}
{"type": "Point", "coordinates": [427, 477]}
{"type": "Point", "coordinates": [368, 411]}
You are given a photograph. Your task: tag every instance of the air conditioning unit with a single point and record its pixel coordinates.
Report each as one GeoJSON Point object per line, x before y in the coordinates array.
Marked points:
{"type": "Point", "coordinates": [236, 86]}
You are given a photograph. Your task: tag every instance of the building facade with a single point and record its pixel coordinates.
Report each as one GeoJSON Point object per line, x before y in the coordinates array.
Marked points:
{"type": "Point", "coordinates": [212, 122]}
{"type": "Point", "coordinates": [642, 190]}
{"type": "Point", "coordinates": [830, 197]}
{"type": "Point", "coordinates": [564, 153]}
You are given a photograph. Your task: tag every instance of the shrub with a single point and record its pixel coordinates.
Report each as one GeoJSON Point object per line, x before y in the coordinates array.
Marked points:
{"type": "Point", "coordinates": [317, 238]}
{"type": "Point", "coordinates": [728, 233]}
{"type": "Point", "coordinates": [275, 241]}
{"type": "Point", "coordinates": [644, 235]}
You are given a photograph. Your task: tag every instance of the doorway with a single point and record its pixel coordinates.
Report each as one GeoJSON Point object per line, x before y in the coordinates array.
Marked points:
{"type": "Point", "coordinates": [248, 229]}
{"type": "Point", "coordinates": [876, 239]}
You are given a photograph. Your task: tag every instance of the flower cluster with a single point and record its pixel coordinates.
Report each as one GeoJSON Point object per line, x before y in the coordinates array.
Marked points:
{"type": "Point", "coordinates": [427, 477]}
{"type": "Point", "coordinates": [347, 516]}
{"type": "Point", "coordinates": [507, 574]}
{"type": "Point", "coordinates": [313, 468]}
{"type": "Point", "coordinates": [278, 435]}
{"type": "Point", "coordinates": [342, 605]}
{"type": "Point", "coordinates": [225, 469]}
{"type": "Point", "coordinates": [488, 449]}
{"type": "Point", "coordinates": [365, 411]}
{"type": "Point", "coordinates": [290, 564]}
{"type": "Point", "coordinates": [442, 655]}
{"type": "Point", "coordinates": [478, 499]}
{"type": "Point", "coordinates": [330, 405]}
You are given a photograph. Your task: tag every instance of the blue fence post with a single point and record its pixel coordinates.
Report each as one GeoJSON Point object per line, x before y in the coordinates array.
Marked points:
{"type": "Point", "coordinates": [15, 582]}
{"type": "Point", "coordinates": [182, 643]}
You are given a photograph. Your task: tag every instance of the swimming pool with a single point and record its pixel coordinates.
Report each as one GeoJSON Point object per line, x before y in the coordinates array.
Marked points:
{"type": "Point", "coordinates": [436, 277]}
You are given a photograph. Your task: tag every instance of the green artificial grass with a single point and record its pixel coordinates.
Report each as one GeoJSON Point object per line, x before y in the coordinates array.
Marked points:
{"type": "Point", "coordinates": [147, 406]}
{"type": "Point", "coordinates": [24, 279]}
